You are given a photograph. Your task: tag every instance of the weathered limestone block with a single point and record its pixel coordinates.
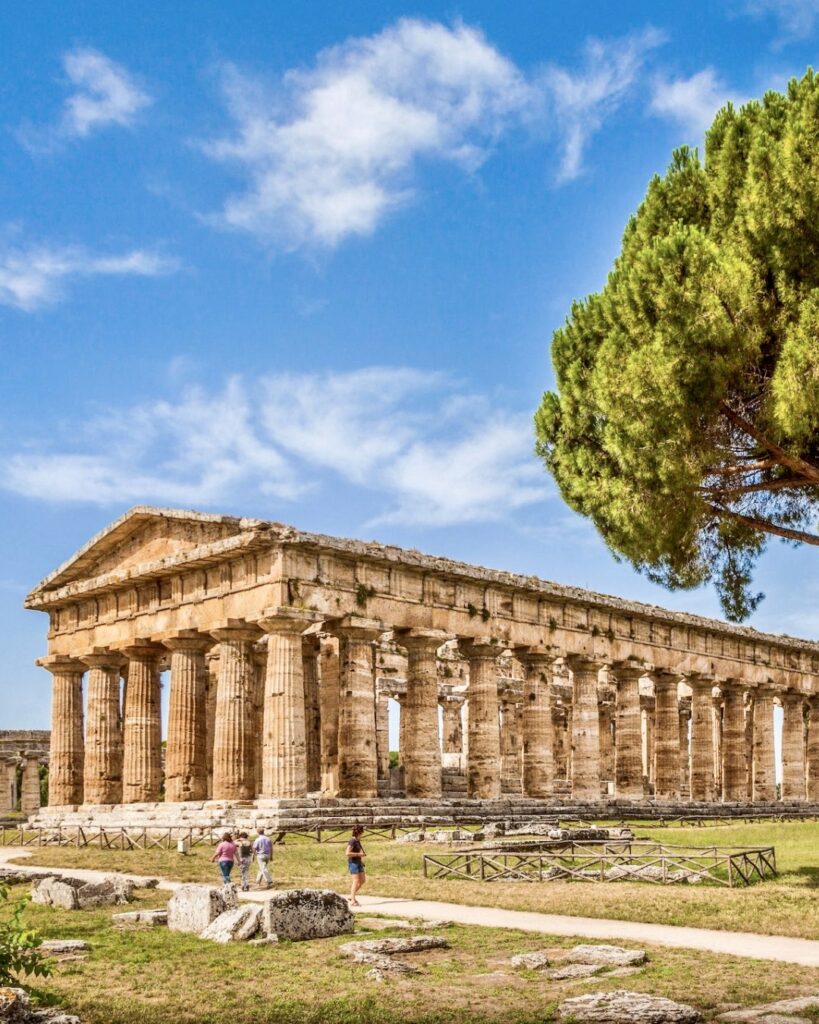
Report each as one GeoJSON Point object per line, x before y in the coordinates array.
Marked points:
{"type": "Point", "coordinates": [389, 947]}
{"type": "Point", "coordinates": [531, 961]}
{"type": "Point", "coordinates": [109, 892]}
{"type": "Point", "coordinates": [141, 918]}
{"type": "Point", "coordinates": [57, 892]}
{"type": "Point", "coordinates": [192, 908]}
{"type": "Point", "coordinates": [239, 924]}
{"type": "Point", "coordinates": [623, 1007]}
{"type": "Point", "coordinates": [781, 1008]}
{"type": "Point", "coordinates": [299, 914]}
{"type": "Point", "coordinates": [57, 947]}
{"type": "Point", "coordinates": [566, 971]}
{"type": "Point", "coordinates": [606, 956]}
{"type": "Point", "coordinates": [15, 1008]}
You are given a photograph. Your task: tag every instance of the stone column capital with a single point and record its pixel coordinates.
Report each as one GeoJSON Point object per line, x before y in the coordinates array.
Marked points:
{"type": "Point", "coordinates": [288, 620]}
{"type": "Point", "coordinates": [485, 648]}
{"type": "Point", "coordinates": [235, 629]}
{"type": "Point", "coordinates": [791, 697]}
{"type": "Point", "coordinates": [55, 663]}
{"type": "Point", "coordinates": [629, 669]}
{"type": "Point", "coordinates": [664, 677]}
{"type": "Point", "coordinates": [311, 642]}
{"type": "Point", "coordinates": [537, 657]}
{"type": "Point", "coordinates": [583, 663]}
{"type": "Point", "coordinates": [421, 639]}
{"type": "Point", "coordinates": [102, 657]}
{"type": "Point", "coordinates": [187, 640]}
{"type": "Point", "coordinates": [143, 649]}
{"type": "Point", "coordinates": [356, 627]}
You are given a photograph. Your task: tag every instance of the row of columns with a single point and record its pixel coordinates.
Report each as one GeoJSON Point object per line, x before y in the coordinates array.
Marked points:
{"type": "Point", "coordinates": [307, 718]}
{"type": "Point", "coordinates": [27, 792]}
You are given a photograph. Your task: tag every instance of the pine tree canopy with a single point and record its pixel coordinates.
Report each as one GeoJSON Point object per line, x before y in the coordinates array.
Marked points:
{"type": "Point", "coordinates": [686, 419]}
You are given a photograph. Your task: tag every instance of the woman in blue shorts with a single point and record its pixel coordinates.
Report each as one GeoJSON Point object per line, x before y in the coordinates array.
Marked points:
{"type": "Point", "coordinates": [355, 863]}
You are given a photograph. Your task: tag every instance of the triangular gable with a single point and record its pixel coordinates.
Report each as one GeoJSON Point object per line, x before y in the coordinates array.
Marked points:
{"type": "Point", "coordinates": [142, 535]}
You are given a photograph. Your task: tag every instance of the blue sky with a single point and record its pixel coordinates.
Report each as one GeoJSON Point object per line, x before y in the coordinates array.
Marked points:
{"type": "Point", "coordinates": [303, 262]}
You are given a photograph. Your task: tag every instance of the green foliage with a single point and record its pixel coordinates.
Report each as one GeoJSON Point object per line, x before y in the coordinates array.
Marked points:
{"type": "Point", "coordinates": [362, 594]}
{"type": "Point", "coordinates": [686, 419]}
{"type": "Point", "coordinates": [393, 759]}
{"type": "Point", "coordinates": [19, 953]}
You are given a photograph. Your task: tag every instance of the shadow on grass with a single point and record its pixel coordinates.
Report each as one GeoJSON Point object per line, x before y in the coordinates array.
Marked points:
{"type": "Point", "coordinates": [807, 876]}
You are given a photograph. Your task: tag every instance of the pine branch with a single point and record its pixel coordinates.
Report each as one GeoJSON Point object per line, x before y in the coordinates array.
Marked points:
{"type": "Point", "coordinates": [765, 526]}
{"type": "Point", "coordinates": [793, 462]}
{"type": "Point", "coordinates": [761, 485]}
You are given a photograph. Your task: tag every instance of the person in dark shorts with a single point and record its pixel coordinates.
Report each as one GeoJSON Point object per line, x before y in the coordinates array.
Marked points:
{"type": "Point", "coordinates": [355, 863]}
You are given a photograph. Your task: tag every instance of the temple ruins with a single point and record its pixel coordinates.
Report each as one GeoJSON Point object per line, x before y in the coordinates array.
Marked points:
{"type": "Point", "coordinates": [284, 650]}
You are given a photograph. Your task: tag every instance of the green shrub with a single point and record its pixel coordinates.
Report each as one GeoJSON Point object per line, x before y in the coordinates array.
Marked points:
{"type": "Point", "coordinates": [19, 952]}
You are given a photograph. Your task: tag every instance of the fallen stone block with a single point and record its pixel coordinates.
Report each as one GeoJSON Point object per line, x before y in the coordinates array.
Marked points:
{"type": "Point", "coordinates": [606, 956]}
{"type": "Point", "coordinates": [783, 1007]}
{"type": "Point", "coordinates": [55, 947]}
{"type": "Point", "coordinates": [622, 1007]}
{"type": "Point", "coordinates": [389, 947]}
{"type": "Point", "coordinates": [140, 918]}
{"type": "Point", "coordinates": [15, 1008]}
{"type": "Point", "coordinates": [301, 914]}
{"type": "Point", "coordinates": [566, 971]}
{"type": "Point", "coordinates": [238, 924]}
{"type": "Point", "coordinates": [531, 961]}
{"type": "Point", "coordinates": [381, 964]}
{"type": "Point", "coordinates": [265, 940]}
{"type": "Point", "coordinates": [109, 892]}
{"type": "Point", "coordinates": [192, 908]}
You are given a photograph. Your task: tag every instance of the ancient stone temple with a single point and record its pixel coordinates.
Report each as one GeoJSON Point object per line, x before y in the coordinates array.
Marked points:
{"type": "Point", "coordinates": [282, 652]}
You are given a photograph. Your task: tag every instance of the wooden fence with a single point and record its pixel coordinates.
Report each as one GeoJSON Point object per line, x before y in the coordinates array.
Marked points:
{"type": "Point", "coordinates": [619, 860]}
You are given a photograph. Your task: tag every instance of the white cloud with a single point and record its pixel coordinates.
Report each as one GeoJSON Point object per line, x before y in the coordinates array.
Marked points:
{"type": "Point", "coordinates": [34, 277]}
{"type": "Point", "coordinates": [103, 94]}
{"type": "Point", "coordinates": [692, 102]}
{"type": "Point", "coordinates": [332, 151]}
{"type": "Point", "coordinates": [796, 18]}
{"type": "Point", "coordinates": [394, 432]}
{"type": "Point", "coordinates": [578, 103]}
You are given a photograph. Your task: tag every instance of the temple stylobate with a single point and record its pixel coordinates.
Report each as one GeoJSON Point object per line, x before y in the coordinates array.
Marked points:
{"type": "Point", "coordinates": [284, 649]}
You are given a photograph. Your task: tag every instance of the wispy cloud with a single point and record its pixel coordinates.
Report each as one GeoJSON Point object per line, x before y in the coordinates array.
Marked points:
{"type": "Point", "coordinates": [389, 431]}
{"type": "Point", "coordinates": [35, 276]}
{"type": "Point", "coordinates": [796, 19]}
{"type": "Point", "coordinates": [579, 102]}
{"type": "Point", "coordinates": [331, 151]}
{"type": "Point", "coordinates": [103, 94]}
{"type": "Point", "coordinates": [692, 102]}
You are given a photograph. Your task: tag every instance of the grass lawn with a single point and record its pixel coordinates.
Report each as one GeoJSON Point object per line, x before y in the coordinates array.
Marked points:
{"type": "Point", "coordinates": [152, 976]}
{"type": "Point", "coordinates": [788, 905]}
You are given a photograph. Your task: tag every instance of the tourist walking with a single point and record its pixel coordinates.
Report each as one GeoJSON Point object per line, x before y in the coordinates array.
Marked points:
{"type": "Point", "coordinates": [263, 848]}
{"type": "Point", "coordinates": [355, 863]}
{"type": "Point", "coordinates": [225, 856]}
{"type": "Point", "coordinates": [245, 859]}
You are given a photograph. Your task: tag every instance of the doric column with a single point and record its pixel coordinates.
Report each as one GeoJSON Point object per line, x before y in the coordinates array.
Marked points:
{"type": "Point", "coordinates": [702, 738]}
{"type": "Point", "coordinates": [813, 750]}
{"type": "Point", "coordinates": [685, 752]}
{"type": "Point", "coordinates": [793, 747]}
{"type": "Point", "coordinates": [260, 663]}
{"type": "Point", "coordinates": [511, 777]}
{"type": "Point", "coordinates": [233, 740]}
{"type": "Point", "coordinates": [733, 742]}
{"type": "Point", "coordinates": [667, 737]}
{"type": "Point", "coordinates": [628, 750]}
{"type": "Point", "coordinates": [422, 758]}
{"type": "Point", "coordinates": [329, 687]}
{"type": "Point", "coordinates": [382, 736]}
{"type": "Point", "coordinates": [763, 768]}
{"type": "Point", "coordinates": [186, 776]}
{"type": "Point", "coordinates": [312, 712]}
{"type": "Point", "coordinates": [142, 730]}
{"type": "Point", "coordinates": [66, 753]}
{"type": "Point", "coordinates": [453, 733]}
{"type": "Point", "coordinates": [103, 729]}
{"type": "Point", "coordinates": [284, 755]}
{"type": "Point", "coordinates": [538, 727]}
{"type": "Point", "coordinates": [585, 766]}
{"type": "Point", "coordinates": [8, 784]}
{"type": "Point", "coordinates": [212, 662]}
{"type": "Point", "coordinates": [30, 788]}
{"type": "Point", "coordinates": [748, 745]}
{"type": "Point", "coordinates": [605, 713]}
{"type": "Point", "coordinates": [483, 755]}
{"type": "Point", "coordinates": [357, 751]}
{"type": "Point", "coordinates": [717, 744]}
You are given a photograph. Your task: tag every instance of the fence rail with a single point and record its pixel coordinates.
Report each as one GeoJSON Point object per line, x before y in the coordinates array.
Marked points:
{"type": "Point", "coordinates": [613, 861]}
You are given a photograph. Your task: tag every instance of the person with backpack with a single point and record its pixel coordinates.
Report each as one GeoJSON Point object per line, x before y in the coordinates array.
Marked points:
{"type": "Point", "coordinates": [263, 848]}
{"type": "Point", "coordinates": [355, 863]}
{"type": "Point", "coordinates": [245, 850]}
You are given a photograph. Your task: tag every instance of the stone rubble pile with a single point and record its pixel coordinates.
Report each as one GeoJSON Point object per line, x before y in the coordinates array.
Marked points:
{"type": "Point", "coordinates": [293, 914]}
{"type": "Point", "coordinates": [623, 1007]}
{"type": "Point", "coordinates": [15, 1008]}
{"type": "Point", "coordinates": [80, 894]}
{"type": "Point", "coordinates": [379, 954]}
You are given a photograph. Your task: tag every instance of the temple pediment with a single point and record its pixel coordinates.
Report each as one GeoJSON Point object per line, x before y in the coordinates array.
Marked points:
{"type": "Point", "coordinates": [141, 536]}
